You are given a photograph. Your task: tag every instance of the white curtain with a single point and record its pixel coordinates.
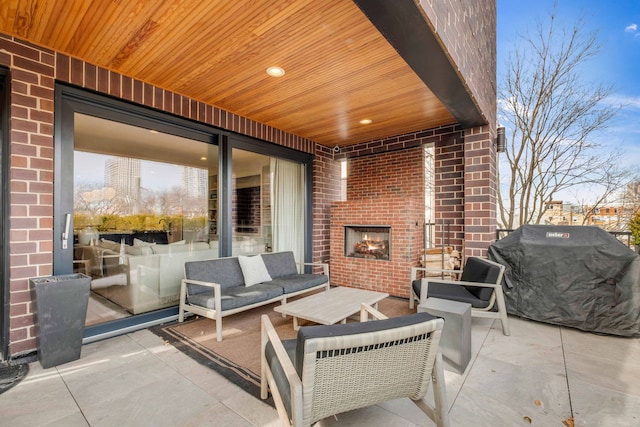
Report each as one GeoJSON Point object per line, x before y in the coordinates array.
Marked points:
{"type": "Point", "coordinates": [287, 207]}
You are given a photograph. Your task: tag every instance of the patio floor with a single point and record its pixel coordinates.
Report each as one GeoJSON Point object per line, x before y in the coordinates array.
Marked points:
{"type": "Point", "coordinates": [540, 375]}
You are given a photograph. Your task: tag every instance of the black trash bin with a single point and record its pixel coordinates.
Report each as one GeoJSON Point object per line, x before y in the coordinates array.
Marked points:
{"type": "Point", "coordinates": [60, 309]}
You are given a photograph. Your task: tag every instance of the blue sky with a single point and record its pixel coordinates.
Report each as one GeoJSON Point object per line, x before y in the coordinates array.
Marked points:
{"type": "Point", "coordinates": [618, 26]}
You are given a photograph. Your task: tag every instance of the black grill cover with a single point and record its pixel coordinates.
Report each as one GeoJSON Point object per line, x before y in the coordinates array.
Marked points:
{"type": "Point", "coordinates": [574, 276]}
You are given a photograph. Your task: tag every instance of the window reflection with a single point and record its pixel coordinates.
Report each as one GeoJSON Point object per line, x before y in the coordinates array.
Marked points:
{"type": "Point", "coordinates": [144, 204]}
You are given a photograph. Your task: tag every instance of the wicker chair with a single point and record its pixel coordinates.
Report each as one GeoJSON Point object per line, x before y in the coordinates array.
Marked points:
{"type": "Point", "coordinates": [480, 285]}
{"type": "Point", "coordinates": [332, 369]}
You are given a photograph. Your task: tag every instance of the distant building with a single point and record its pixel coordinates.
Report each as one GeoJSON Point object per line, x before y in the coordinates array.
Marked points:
{"type": "Point", "coordinates": [194, 182]}
{"type": "Point", "coordinates": [123, 174]}
{"type": "Point", "coordinates": [558, 212]}
{"type": "Point", "coordinates": [615, 218]}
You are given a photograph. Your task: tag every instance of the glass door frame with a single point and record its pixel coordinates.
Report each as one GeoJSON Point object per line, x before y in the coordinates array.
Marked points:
{"type": "Point", "coordinates": [231, 141]}
{"type": "Point", "coordinates": [5, 108]}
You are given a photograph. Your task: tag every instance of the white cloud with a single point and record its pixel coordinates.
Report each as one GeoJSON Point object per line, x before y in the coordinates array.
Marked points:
{"type": "Point", "coordinates": [626, 102]}
{"type": "Point", "coordinates": [632, 28]}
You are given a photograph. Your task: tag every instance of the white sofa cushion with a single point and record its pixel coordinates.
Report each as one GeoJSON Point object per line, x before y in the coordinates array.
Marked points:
{"type": "Point", "coordinates": [141, 243]}
{"type": "Point", "coordinates": [138, 250]}
{"type": "Point", "coordinates": [253, 270]}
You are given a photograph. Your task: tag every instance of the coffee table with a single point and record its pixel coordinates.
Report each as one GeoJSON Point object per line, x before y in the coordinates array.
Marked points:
{"type": "Point", "coordinates": [331, 306]}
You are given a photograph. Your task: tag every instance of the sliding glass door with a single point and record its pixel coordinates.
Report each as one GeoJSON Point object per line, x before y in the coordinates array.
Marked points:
{"type": "Point", "coordinates": [141, 193]}
{"type": "Point", "coordinates": [144, 203]}
{"type": "Point", "coordinates": [268, 204]}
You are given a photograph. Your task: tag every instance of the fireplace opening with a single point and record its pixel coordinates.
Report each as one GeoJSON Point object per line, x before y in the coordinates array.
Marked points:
{"type": "Point", "coordinates": [367, 241]}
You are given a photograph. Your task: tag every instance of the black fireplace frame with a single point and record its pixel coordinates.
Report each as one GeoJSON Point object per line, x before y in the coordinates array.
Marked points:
{"type": "Point", "coordinates": [373, 228]}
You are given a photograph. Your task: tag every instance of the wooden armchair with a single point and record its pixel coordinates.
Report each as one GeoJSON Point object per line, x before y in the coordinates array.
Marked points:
{"type": "Point", "coordinates": [332, 369]}
{"type": "Point", "coordinates": [480, 285]}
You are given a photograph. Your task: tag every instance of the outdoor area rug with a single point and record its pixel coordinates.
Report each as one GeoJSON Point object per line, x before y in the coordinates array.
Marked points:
{"type": "Point", "coordinates": [237, 356]}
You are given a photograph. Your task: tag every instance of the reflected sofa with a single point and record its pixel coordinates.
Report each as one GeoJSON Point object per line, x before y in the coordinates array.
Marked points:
{"type": "Point", "coordinates": [145, 276]}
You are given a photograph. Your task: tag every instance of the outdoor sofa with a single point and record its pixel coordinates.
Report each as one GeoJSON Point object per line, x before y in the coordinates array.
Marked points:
{"type": "Point", "coordinates": [216, 288]}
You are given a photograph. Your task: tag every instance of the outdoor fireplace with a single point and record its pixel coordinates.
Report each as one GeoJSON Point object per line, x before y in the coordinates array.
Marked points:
{"type": "Point", "coordinates": [367, 241]}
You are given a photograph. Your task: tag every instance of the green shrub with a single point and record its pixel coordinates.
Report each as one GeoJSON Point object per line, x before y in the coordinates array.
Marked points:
{"type": "Point", "coordinates": [634, 227]}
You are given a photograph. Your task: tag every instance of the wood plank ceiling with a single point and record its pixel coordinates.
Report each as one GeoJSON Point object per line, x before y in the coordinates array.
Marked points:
{"type": "Point", "coordinates": [339, 68]}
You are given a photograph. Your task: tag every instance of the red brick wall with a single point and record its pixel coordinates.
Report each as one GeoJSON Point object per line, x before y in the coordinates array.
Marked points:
{"type": "Point", "coordinates": [449, 189]}
{"type": "Point", "coordinates": [465, 180]}
{"type": "Point", "coordinates": [395, 173]}
{"type": "Point", "coordinates": [403, 214]}
{"type": "Point", "coordinates": [467, 30]}
{"type": "Point", "coordinates": [326, 190]}
{"type": "Point", "coordinates": [480, 191]}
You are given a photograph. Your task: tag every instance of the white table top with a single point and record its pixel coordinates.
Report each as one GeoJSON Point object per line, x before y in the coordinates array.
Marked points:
{"type": "Point", "coordinates": [331, 306]}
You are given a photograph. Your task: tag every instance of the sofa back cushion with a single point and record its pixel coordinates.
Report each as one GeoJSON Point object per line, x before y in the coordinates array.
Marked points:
{"type": "Point", "coordinates": [481, 271]}
{"type": "Point", "coordinates": [280, 264]}
{"type": "Point", "coordinates": [225, 271]}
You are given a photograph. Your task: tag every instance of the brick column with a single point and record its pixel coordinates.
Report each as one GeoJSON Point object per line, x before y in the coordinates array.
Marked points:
{"type": "Point", "coordinates": [480, 190]}
{"type": "Point", "coordinates": [449, 189]}
{"type": "Point", "coordinates": [31, 181]}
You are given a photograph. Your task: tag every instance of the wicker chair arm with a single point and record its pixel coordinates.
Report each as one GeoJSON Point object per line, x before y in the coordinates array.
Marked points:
{"type": "Point", "coordinates": [269, 334]}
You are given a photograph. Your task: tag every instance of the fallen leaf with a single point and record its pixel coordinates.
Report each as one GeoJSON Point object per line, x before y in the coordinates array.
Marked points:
{"type": "Point", "coordinates": [538, 403]}
{"type": "Point", "coordinates": [568, 422]}
{"type": "Point", "coordinates": [527, 419]}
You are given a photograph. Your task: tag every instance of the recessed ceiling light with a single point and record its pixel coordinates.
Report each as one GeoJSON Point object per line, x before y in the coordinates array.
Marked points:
{"type": "Point", "coordinates": [366, 121]}
{"type": "Point", "coordinates": [203, 158]}
{"type": "Point", "coordinates": [275, 71]}
{"type": "Point", "coordinates": [153, 131]}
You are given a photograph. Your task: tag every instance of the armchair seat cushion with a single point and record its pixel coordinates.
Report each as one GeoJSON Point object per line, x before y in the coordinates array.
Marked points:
{"type": "Point", "coordinates": [237, 296]}
{"type": "Point", "coordinates": [299, 282]}
{"type": "Point", "coordinates": [450, 292]}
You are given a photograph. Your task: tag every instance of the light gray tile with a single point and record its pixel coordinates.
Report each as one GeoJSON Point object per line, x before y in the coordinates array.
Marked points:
{"type": "Point", "coordinates": [140, 379]}
{"type": "Point", "coordinates": [406, 409]}
{"type": "Point", "coordinates": [38, 400]}
{"type": "Point", "coordinates": [372, 416]}
{"type": "Point", "coordinates": [253, 410]}
{"type": "Point", "coordinates": [480, 409]}
{"type": "Point", "coordinates": [215, 416]}
{"type": "Point", "coordinates": [531, 345]}
{"type": "Point", "coordinates": [167, 401]}
{"type": "Point", "coordinates": [599, 406]}
{"type": "Point", "coordinates": [512, 390]}
{"type": "Point", "coordinates": [619, 350]}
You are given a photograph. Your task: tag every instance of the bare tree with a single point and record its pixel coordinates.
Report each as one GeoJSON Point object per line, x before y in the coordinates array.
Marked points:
{"type": "Point", "coordinates": [551, 115]}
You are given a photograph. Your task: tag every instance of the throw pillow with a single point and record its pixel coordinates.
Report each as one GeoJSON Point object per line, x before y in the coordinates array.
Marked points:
{"type": "Point", "coordinates": [108, 244]}
{"type": "Point", "coordinates": [138, 250]}
{"type": "Point", "coordinates": [253, 270]}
